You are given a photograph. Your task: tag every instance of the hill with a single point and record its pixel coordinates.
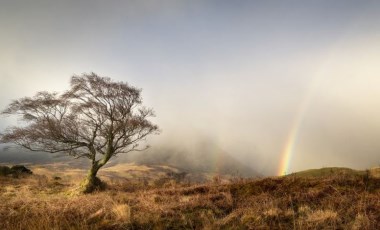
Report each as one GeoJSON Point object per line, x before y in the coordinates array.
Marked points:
{"type": "Point", "coordinates": [201, 163]}
{"type": "Point", "coordinates": [336, 201]}
{"type": "Point", "coordinates": [202, 158]}
{"type": "Point", "coordinates": [330, 171]}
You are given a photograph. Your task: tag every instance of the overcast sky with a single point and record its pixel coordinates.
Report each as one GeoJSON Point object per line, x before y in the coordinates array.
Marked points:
{"type": "Point", "coordinates": [241, 74]}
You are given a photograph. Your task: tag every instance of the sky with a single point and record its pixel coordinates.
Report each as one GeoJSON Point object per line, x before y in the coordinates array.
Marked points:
{"type": "Point", "coordinates": [282, 86]}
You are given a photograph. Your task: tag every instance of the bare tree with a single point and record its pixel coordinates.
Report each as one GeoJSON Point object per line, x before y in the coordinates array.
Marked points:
{"type": "Point", "coordinates": [96, 119]}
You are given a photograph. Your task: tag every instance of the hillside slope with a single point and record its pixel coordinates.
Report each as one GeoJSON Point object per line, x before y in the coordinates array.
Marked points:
{"type": "Point", "coordinates": [331, 171]}
{"type": "Point", "coordinates": [338, 201]}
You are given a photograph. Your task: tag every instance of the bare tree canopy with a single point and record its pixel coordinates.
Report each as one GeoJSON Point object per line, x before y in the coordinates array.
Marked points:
{"type": "Point", "coordinates": [97, 119]}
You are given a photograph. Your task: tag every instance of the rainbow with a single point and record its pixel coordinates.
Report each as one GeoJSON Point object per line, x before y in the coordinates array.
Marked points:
{"type": "Point", "coordinates": [293, 136]}
{"type": "Point", "coordinates": [291, 142]}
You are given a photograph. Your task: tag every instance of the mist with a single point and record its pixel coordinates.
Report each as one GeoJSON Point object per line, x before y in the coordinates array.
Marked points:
{"type": "Point", "coordinates": [233, 77]}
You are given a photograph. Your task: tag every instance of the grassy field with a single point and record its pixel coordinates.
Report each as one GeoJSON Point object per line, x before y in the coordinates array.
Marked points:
{"type": "Point", "coordinates": [334, 200]}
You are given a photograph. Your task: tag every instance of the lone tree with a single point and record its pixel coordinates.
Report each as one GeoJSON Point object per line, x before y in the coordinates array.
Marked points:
{"type": "Point", "coordinates": [97, 119]}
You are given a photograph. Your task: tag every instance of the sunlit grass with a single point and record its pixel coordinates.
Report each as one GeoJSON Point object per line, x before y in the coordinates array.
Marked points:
{"type": "Point", "coordinates": [335, 201]}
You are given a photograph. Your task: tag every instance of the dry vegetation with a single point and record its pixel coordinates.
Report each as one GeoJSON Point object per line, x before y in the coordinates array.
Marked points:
{"type": "Point", "coordinates": [337, 201]}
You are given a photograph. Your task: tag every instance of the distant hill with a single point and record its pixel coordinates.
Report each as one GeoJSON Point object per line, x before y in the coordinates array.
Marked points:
{"type": "Point", "coordinates": [18, 155]}
{"type": "Point", "coordinates": [206, 158]}
{"type": "Point", "coordinates": [203, 160]}
{"type": "Point", "coordinates": [329, 171]}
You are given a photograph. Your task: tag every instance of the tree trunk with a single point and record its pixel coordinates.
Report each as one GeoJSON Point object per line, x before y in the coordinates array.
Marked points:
{"type": "Point", "coordinates": [92, 182]}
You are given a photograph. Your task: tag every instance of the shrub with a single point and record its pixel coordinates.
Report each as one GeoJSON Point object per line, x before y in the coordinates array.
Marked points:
{"type": "Point", "coordinates": [5, 171]}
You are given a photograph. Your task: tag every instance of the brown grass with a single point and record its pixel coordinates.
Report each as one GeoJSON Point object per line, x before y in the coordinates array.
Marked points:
{"type": "Point", "coordinates": [333, 202]}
